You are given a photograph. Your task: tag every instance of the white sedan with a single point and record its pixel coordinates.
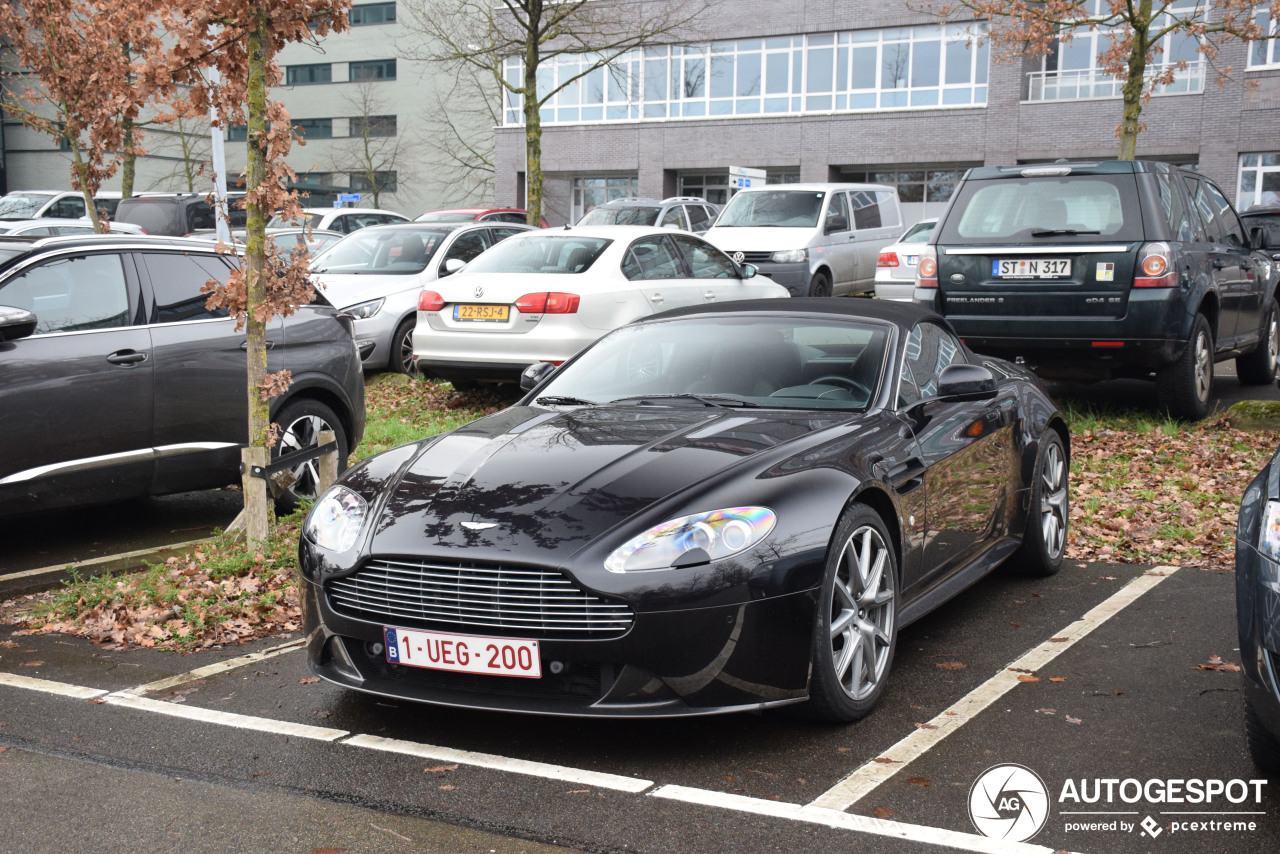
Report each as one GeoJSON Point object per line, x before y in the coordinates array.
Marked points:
{"type": "Point", "coordinates": [896, 266]}
{"type": "Point", "coordinates": [543, 296]}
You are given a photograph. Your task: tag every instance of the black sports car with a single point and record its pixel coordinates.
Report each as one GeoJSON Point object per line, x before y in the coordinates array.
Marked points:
{"type": "Point", "coordinates": [716, 509]}
{"type": "Point", "coordinates": [1258, 614]}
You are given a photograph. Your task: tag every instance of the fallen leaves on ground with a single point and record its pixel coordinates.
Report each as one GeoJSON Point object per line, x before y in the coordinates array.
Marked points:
{"type": "Point", "coordinates": [1216, 663]}
{"type": "Point", "coordinates": [951, 665]}
{"type": "Point", "coordinates": [882, 812]}
{"type": "Point", "coordinates": [1026, 677]}
{"type": "Point", "coordinates": [1076, 721]}
{"type": "Point", "coordinates": [920, 781]}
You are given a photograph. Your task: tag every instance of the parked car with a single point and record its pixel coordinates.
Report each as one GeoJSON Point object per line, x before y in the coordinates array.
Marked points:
{"type": "Point", "coordinates": [719, 508]}
{"type": "Point", "coordinates": [60, 227]}
{"type": "Point", "coordinates": [315, 240]}
{"type": "Point", "coordinates": [376, 275]}
{"type": "Point", "coordinates": [1268, 219]}
{"type": "Point", "coordinates": [896, 266]}
{"type": "Point", "coordinates": [542, 297]}
{"type": "Point", "coordinates": [129, 385]}
{"type": "Point", "coordinates": [341, 220]}
{"type": "Point", "coordinates": [64, 204]}
{"type": "Point", "coordinates": [177, 215]}
{"type": "Point", "coordinates": [688, 213]}
{"type": "Point", "coordinates": [518, 216]}
{"type": "Point", "coordinates": [1258, 614]}
{"type": "Point", "coordinates": [1095, 270]}
{"type": "Point", "coordinates": [813, 239]}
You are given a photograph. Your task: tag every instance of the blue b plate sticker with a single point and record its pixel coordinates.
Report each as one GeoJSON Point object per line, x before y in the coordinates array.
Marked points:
{"type": "Point", "coordinates": [393, 645]}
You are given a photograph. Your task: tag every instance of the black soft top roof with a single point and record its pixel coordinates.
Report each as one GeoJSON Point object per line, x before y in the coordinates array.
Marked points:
{"type": "Point", "coordinates": [903, 314]}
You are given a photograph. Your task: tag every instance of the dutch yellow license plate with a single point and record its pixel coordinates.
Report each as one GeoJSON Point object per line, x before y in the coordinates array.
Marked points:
{"type": "Point", "coordinates": [464, 311]}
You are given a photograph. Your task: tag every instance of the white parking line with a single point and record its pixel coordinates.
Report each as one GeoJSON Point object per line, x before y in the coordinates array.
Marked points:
{"type": "Point", "coordinates": [501, 763]}
{"type": "Point", "coordinates": [847, 821]}
{"type": "Point", "coordinates": [864, 780]}
{"type": "Point", "coordinates": [231, 719]}
{"type": "Point", "coordinates": [215, 669]}
{"type": "Point", "coordinates": [62, 689]}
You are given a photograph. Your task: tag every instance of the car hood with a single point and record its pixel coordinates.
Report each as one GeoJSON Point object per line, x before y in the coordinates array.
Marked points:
{"type": "Point", "coordinates": [746, 239]}
{"type": "Point", "coordinates": [347, 290]}
{"type": "Point", "coordinates": [538, 485]}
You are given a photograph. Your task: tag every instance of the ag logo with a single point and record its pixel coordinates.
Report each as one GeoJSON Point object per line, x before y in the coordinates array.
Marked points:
{"type": "Point", "coordinates": [1009, 802]}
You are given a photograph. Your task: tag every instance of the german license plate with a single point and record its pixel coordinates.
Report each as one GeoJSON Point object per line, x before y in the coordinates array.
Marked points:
{"type": "Point", "coordinates": [465, 311]}
{"type": "Point", "coordinates": [1032, 268]}
{"type": "Point", "coordinates": [463, 653]}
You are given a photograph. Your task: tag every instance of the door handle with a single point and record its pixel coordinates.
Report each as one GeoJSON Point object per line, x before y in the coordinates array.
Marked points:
{"type": "Point", "coordinates": [657, 297]}
{"type": "Point", "coordinates": [126, 357]}
{"type": "Point", "coordinates": [709, 295]}
{"type": "Point", "coordinates": [244, 345]}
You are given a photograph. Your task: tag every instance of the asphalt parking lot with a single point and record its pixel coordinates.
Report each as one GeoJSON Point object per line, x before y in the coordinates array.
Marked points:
{"type": "Point", "coordinates": [1091, 675]}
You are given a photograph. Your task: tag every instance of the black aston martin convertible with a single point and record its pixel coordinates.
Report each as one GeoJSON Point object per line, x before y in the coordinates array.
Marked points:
{"type": "Point", "coordinates": [716, 509]}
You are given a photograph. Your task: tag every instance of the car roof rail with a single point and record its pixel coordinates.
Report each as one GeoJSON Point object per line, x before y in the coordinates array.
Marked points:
{"type": "Point", "coordinates": [687, 199]}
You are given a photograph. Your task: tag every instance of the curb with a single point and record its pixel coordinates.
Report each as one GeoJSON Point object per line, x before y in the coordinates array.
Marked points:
{"type": "Point", "coordinates": [35, 580]}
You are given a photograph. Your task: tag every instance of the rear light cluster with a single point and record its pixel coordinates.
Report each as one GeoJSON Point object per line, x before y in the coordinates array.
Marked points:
{"type": "Point", "coordinates": [548, 303]}
{"type": "Point", "coordinates": [887, 259]}
{"type": "Point", "coordinates": [1155, 267]}
{"type": "Point", "coordinates": [430, 301]}
{"type": "Point", "coordinates": [927, 269]}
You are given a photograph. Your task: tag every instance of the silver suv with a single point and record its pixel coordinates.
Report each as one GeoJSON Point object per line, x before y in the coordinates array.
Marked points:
{"type": "Point", "coordinates": [688, 213]}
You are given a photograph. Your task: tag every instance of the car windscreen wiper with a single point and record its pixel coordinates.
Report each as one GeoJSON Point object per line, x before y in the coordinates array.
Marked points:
{"type": "Point", "coordinates": [1062, 232]}
{"type": "Point", "coordinates": [562, 400]}
{"type": "Point", "coordinates": [704, 399]}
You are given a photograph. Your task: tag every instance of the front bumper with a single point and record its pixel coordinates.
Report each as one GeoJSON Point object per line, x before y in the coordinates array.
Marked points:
{"type": "Point", "coordinates": [496, 356]}
{"type": "Point", "coordinates": [792, 276]}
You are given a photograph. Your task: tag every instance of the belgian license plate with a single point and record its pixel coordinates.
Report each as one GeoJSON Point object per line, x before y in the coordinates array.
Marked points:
{"type": "Point", "coordinates": [912, 260]}
{"type": "Point", "coordinates": [463, 653]}
{"type": "Point", "coordinates": [467, 311]}
{"type": "Point", "coordinates": [1032, 268]}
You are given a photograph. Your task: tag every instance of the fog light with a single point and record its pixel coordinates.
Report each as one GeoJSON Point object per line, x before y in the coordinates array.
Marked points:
{"type": "Point", "coordinates": [558, 667]}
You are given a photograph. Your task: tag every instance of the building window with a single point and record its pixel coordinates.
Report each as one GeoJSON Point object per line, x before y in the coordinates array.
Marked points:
{"type": "Point", "coordinates": [315, 128]}
{"type": "Point", "coordinates": [305, 75]}
{"type": "Point", "coordinates": [588, 192]}
{"type": "Point", "coordinates": [372, 13]}
{"type": "Point", "coordinates": [1265, 53]}
{"type": "Point", "coordinates": [363, 182]}
{"type": "Point", "coordinates": [924, 67]}
{"type": "Point", "coordinates": [373, 126]}
{"type": "Point", "coordinates": [714, 186]}
{"type": "Point", "coordinates": [1071, 71]}
{"type": "Point", "coordinates": [376, 69]}
{"type": "Point", "coordinates": [237, 133]}
{"type": "Point", "coordinates": [1259, 180]}
{"type": "Point", "coordinates": [914, 183]}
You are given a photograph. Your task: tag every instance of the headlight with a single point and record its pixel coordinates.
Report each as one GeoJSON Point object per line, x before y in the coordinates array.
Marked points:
{"type": "Point", "coordinates": [364, 310]}
{"type": "Point", "coordinates": [335, 522]}
{"type": "Point", "coordinates": [1269, 537]}
{"type": "Point", "coordinates": [699, 538]}
{"type": "Point", "coordinates": [791, 256]}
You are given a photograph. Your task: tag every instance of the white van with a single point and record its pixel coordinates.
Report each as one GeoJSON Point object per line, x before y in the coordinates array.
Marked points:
{"type": "Point", "coordinates": [813, 239]}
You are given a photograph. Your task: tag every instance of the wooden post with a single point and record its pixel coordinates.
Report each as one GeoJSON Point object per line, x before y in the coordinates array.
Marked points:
{"type": "Point", "coordinates": [255, 494]}
{"type": "Point", "coordinates": [328, 463]}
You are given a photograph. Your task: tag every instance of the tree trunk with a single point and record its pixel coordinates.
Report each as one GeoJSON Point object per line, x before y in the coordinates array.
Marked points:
{"type": "Point", "coordinates": [1134, 83]}
{"type": "Point", "coordinates": [82, 177]}
{"type": "Point", "coordinates": [128, 168]}
{"type": "Point", "coordinates": [532, 137]}
{"type": "Point", "coordinates": [256, 510]}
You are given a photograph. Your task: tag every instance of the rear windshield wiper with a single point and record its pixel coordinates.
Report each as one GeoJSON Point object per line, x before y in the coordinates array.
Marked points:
{"type": "Point", "coordinates": [560, 400]}
{"type": "Point", "coordinates": [704, 399]}
{"type": "Point", "coordinates": [1062, 232]}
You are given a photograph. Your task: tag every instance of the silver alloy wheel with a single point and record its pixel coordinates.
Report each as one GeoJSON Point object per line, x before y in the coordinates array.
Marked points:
{"type": "Point", "coordinates": [299, 435]}
{"type": "Point", "coordinates": [1053, 500]}
{"type": "Point", "coordinates": [404, 349]}
{"type": "Point", "coordinates": [862, 613]}
{"type": "Point", "coordinates": [1273, 342]}
{"type": "Point", "coordinates": [1203, 366]}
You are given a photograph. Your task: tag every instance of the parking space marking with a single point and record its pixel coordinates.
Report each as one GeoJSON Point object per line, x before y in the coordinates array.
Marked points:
{"type": "Point", "coordinates": [231, 719]}
{"type": "Point", "coordinates": [501, 763]}
{"type": "Point", "coordinates": [865, 779]}
{"type": "Point", "coordinates": [847, 821]}
{"type": "Point", "coordinates": [215, 669]}
{"type": "Point", "coordinates": [62, 689]}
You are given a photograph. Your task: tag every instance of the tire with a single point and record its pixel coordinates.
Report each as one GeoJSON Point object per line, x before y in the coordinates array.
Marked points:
{"type": "Point", "coordinates": [820, 285]}
{"type": "Point", "coordinates": [1259, 367]}
{"type": "Point", "coordinates": [1044, 543]}
{"type": "Point", "coordinates": [1264, 747]}
{"type": "Point", "coordinates": [860, 599]}
{"type": "Point", "coordinates": [300, 422]}
{"type": "Point", "coordinates": [400, 359]}
{"type": "Point", "coordinates": [1186, 387]}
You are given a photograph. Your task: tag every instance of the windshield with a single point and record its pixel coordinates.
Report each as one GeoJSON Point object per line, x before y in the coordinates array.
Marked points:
{"type": "Point", "coordinates": [775, 208]}
{"type": "Point", "coordinates": [279, 221]}
{"type": "Point", "coordinates": [630, 215]}
{"type": "Point", "coordinates": [448, 216]}
{"type": "Point", "coordinates": [23, 205]}
{"type": "Point", "coordinates": [781, 363]}
{"type": "Point", "coordinates": [541, 253]}
{"type": "Point", "coordinates": [384, 251]}
{"type": "Point", "coordinates": [1076, 208]}
{"type": "Point", "coordinates": [919, 233]}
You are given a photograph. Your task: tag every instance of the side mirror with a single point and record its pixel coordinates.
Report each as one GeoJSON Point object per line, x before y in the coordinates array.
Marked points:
{"type": "Point", "coordinates": [1258, 238]}
{"type": "Point", "coordinates": [16, 323]}
{"type": "Point", "coordinates": [966, 382]}
{"type": "Point", "coordinates": [749, 271]}
{"type": "Point", "coordinates": [533, 376]}
{"type": "Point", "coordinates": [453, 265]}
{"type": "Point", "coordinates": [836, 223]}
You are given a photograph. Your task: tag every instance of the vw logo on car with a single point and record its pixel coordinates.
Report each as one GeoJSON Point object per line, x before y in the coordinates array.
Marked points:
{"type": "Point", "coordinates": [478, 292]}
{"type": "Point", "coordinates": [739, 257]}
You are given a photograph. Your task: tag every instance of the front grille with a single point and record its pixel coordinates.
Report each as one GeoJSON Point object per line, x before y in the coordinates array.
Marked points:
{"type": "Point", "coordinates": [501, 600]}
{"type": "Point", "coordinates": [754, 257]}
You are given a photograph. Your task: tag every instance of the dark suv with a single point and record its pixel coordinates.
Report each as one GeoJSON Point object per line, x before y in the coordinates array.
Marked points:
{"type": "Point", "coordinates": [1098, 270]}
{"type": "Point", "coordinates": [116, 381]}
{"type": "Point", "coordinates": [689, 213]}
{"type": "Point", "coordinates": [179, 215]}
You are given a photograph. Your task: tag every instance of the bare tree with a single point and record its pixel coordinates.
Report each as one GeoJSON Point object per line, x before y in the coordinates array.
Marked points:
{"type": "Point", "coordinates": [373, 149]}
{"type": "Point", "coordinates": [484, 34]}
{"type": "Point", "coordinates": [1133, 30]}
{"type": "Point", "coordinates": [459, 139]}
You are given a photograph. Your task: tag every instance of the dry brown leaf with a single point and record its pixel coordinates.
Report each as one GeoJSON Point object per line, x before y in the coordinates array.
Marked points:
{"type": "Point", "coordinates": [882, 812]}
{"type": "Point", "coordinates": [919, 781]}
{"type": "Point", "coordinates": [951, 665]}
{"type": "Point", "coordinates": [1026, 677]}
{"type": "Point", "coordinates": [1057, 679]}
{"type": "Point", "coordinates": [885, 760]}
{"type": "Point", "coordinates": [1072, 720]}
{"type": "Point", "coordinates": [310, 680]}
{"type": "Point", "coordinates": [440, 769]}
